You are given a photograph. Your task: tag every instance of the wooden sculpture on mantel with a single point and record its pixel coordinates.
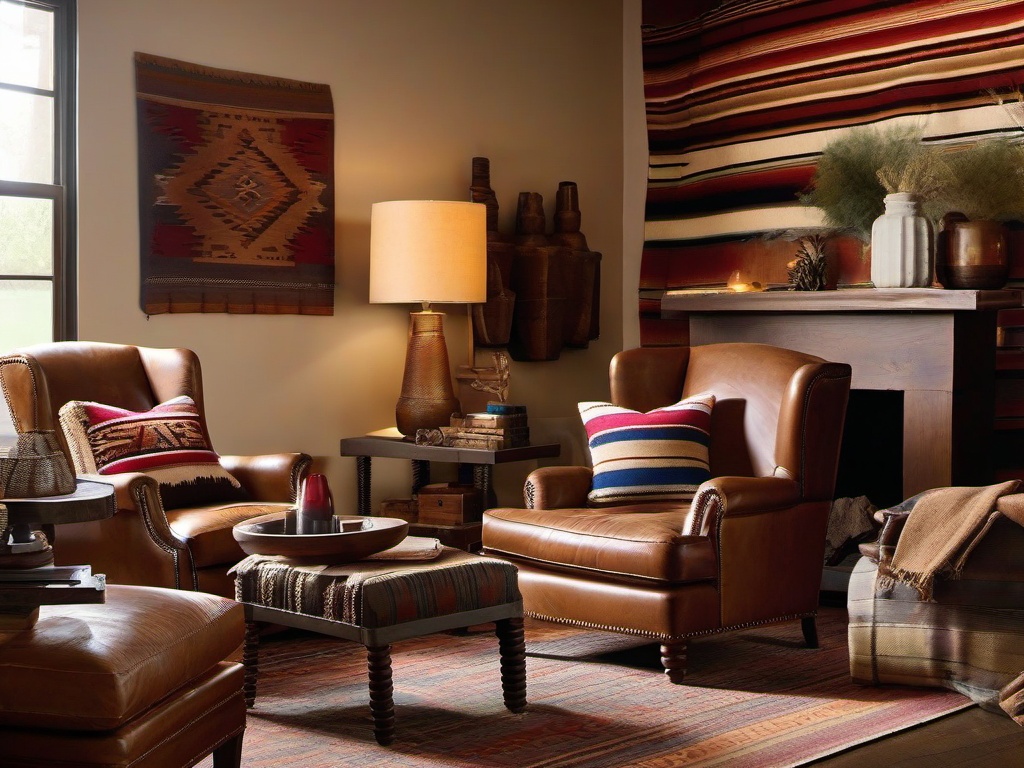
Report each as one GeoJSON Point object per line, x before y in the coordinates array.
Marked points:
{"type": "Point", "coordinates": [543, 291]}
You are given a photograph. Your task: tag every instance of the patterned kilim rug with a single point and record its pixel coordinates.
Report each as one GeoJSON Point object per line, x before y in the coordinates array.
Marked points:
{"type": "Point", "coordinates": [753, 698]}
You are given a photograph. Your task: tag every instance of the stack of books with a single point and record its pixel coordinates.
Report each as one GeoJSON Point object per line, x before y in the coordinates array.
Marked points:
{"type": "Point", "coordinates": [502, 425]}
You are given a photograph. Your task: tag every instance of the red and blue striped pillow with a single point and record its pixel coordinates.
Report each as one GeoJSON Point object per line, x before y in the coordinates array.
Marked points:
{"type": "Point", "coordinates": [661, 455]}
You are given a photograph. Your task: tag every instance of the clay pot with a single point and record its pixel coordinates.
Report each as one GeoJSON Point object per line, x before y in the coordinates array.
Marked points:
{"type": "Point", "coordinates": [972, 255]}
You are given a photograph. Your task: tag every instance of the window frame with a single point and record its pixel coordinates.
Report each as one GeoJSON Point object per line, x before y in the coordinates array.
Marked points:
{"type": "Point", "coordinates": [62, 192]}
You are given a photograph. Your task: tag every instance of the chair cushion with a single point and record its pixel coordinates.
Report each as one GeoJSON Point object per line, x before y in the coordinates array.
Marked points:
{"type": "Point", "coordinates": [166, 442]}
{"type": "Point", "coordinates": [640, 457]}
{"type": "Point", "coordinates": [95, 667]}
{"type": "Point", "coordinates": [207, 529]}
{"type": "Point", "coordinates": [635, 541]}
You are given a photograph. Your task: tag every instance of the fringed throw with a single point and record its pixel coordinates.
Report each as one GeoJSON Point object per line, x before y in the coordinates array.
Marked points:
{"type": "Point", "coordinates": [940, 533]}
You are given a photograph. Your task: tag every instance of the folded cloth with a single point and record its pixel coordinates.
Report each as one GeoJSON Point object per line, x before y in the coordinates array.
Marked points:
{"type": "Point", "coordinates": [1011, 699]}
{"type": "Point", "coordinates": [940, 533]}
{"type": "Point", "coordinates": [410, 548]}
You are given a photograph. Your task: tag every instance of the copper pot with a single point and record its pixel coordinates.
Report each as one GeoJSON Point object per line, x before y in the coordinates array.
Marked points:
{"type": "Point", "coordinates": [972, 254]}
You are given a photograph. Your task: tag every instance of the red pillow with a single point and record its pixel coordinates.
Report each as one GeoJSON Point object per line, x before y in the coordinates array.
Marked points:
{"type": "Point", "coordinates": [167, 442]}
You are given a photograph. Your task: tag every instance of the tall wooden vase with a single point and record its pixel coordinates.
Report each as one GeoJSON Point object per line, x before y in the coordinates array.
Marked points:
{"type": "Point", "coordinates": [902, 245]}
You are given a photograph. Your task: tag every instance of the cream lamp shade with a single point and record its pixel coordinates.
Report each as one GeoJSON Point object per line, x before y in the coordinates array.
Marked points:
{"type": "Point", "coordinates": [428, 251]}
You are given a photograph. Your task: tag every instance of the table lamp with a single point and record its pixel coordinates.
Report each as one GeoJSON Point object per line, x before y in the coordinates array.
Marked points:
{"type": "Point", "coordinates": [431, 252]}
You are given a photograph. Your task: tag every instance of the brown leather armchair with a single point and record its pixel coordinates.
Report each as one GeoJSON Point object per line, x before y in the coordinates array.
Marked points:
{"type": "Point", "coordinates": [144, 543]}
{"type": "Point", "coordinates": [748, 550]}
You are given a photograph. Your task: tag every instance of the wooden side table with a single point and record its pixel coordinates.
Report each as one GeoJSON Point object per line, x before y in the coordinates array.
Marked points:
{"type": "Point", "coordinates": [27, 577]}
{"type": "Point", "coordinates": [389, 444]}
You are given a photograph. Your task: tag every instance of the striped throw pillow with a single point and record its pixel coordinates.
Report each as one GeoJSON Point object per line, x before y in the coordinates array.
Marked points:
{"type": "Point", "coordinates": [661, 455]}
{"type": "Point", "coordinates": [167, 442]}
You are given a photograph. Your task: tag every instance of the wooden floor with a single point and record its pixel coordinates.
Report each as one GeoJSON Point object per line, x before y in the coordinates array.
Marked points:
{"type": "Point", "coordinates": [971, 738]}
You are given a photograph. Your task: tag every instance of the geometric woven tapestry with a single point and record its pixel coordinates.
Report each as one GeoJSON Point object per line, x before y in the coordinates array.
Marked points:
{"type": "Point", "coordinates": [743, 95]}
{"type": "Point", "coordinates": [236, 191]}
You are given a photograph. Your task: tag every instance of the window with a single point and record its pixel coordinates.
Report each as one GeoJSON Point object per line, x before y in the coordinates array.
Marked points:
{"type": "Point", "coordinates": [37, 228]}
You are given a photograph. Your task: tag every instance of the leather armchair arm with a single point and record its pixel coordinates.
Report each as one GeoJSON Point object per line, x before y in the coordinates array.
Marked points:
{"type": "Point", "coordinates": [269, 477]}
{"type": "Point", "coordinates": [136, 545]}
{"type": "Point", "coordinates": [138, 495]}
{"type": "Point", "coordinates": [557, 487]}
{"type": "Point", "coordinates": [735, 497]}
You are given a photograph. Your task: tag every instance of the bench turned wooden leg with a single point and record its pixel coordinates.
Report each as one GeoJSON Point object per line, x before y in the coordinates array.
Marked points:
{"type": "Point", "coordinates": [673, 659]}
{"type": "Point", "coordinates": [382, 702]}
{"type": "Point", "coordinates": [250, 661]}
{"type": "Point", "coordinates": [512, 647]}
{"type": "Point", "coordinates": [810, 631]}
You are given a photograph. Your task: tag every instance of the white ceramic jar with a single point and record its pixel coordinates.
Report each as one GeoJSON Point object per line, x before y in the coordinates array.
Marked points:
{"type": "Point", "coordinates": [902, 244]}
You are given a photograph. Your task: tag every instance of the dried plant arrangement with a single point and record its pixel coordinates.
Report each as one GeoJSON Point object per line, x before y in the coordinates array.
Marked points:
{"type": "Point", "coordinates": [857, 170]}
{"type": "Point", "coordinates": [986, 181]}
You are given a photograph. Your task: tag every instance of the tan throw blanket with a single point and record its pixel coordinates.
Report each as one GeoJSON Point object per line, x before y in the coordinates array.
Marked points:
{"type": "Point", "coordinates": [940, 533]}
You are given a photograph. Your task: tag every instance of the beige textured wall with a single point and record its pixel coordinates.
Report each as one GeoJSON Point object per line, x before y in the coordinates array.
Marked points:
{"type": "Point", "coordinates": [419, 88]}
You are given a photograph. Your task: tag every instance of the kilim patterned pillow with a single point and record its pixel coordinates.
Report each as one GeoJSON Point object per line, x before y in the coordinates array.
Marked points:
{"type": "Point", "coordinates": [661, 455]}
{"type": "Point", "coordinates": [168, 443]}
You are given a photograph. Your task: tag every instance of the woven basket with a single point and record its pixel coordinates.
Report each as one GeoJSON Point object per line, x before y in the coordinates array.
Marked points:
{"type": "Point", "coordinates": [34, 467]}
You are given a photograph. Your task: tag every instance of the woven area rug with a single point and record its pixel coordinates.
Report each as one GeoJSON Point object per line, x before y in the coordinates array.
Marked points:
{"type": "Point", "coordinates": [753, 698]}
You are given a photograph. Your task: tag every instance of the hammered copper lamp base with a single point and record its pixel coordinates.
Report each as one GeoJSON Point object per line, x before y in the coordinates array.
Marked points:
{"type": "Point", "coordinates": [428, 398]}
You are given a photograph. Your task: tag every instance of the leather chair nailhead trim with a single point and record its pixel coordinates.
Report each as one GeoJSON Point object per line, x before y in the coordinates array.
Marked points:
{"type": "Point", "coordinates": [667, 638]}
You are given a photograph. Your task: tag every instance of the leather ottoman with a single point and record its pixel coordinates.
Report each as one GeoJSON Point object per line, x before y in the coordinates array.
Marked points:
{"type": "Point", "coordinates": [140, 680]}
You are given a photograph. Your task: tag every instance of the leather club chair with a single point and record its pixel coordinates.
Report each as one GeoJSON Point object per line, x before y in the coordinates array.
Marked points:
{"type": "Point", "coordinates": [748, 550]}
{"type": "Point", "coordinates": [144, 543]}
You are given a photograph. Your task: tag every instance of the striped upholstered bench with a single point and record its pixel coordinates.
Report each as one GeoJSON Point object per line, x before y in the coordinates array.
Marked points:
{"type": "Point", "coordinates": [377, 603]}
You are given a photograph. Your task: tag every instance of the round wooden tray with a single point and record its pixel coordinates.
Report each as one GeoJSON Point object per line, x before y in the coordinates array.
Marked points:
{"type": "Point", "coordinates": [265, 535]}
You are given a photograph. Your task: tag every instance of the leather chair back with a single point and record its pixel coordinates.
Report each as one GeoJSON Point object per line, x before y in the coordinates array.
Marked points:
{"type": "Point", "coordinates": [766, 421]}
{"type": "Point", "coordinates": [136, 378]}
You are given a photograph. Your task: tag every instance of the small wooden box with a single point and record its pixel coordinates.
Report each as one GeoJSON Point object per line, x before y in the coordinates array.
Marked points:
{"type": "Point", "coordinates": [449, 504]}
{"type": "Point", "coordinates": [403, 509]}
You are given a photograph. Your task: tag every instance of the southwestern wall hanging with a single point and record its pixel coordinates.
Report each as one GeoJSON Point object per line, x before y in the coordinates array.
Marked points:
{"type": "Point", "coordinates": [236, 191]}
{"type": "Point", "coordinates": [743, 95]}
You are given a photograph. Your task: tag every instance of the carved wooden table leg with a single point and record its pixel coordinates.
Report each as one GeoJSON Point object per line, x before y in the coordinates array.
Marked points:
{"type": "Point", "coordinates": [482, 482]}
{"type": "Point", "coordinates": [382, 702]}
{"type": "Point", "coordinates": [810, 630]}
{"type": "Point", "coordinates": [363, 479]}
{"type": "Point", "coordinates": [673, 659]}
{"type": "Point", "coordinates": [420, 474]}
{"type": "Point", "coordinates": [250, 660]}
{"type": "Point", "coordinates": [512, 646]}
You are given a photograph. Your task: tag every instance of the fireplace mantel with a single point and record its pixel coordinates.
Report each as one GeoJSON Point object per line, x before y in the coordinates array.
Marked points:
{"type": "Point", "coordinates": [937, 346]}
{"type": "Point", "coordinates": [845, 300]}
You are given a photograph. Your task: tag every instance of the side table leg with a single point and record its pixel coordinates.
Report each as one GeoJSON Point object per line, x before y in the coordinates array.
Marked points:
{"type": "Point", "coordinates": [482, 482]}
{"type": "Point", "coordinates": [420, 474]}
{"type": "Point", "coordinates": [363, 485]}
{"type": "Point", "coordinates": [512, 646]}
{"type": "Point", "coordinates": [250, 660]}
{"type": "Point", "coordinates": [382, 703]}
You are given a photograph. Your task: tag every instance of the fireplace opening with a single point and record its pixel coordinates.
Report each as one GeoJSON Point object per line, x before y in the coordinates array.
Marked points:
{"type": "Point", "coordinates": [871, 455]}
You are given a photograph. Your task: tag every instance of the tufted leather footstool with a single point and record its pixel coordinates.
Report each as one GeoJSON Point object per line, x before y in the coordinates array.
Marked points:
{"type": "Point", "coordinates": [140, 680]}
{"type": "Point", "coordinates": [379, 602]}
